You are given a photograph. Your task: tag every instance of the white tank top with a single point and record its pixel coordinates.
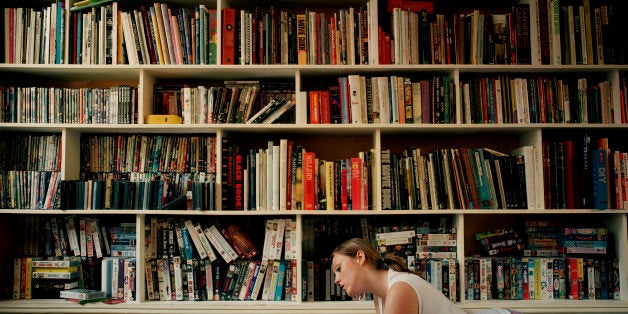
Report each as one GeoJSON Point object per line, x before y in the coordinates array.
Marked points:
{"type": "Point", "coordinates": [431, 301]}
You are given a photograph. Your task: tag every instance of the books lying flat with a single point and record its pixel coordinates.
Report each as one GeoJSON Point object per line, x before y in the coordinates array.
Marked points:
{"type": "Point", "coordinates": [82, 294]}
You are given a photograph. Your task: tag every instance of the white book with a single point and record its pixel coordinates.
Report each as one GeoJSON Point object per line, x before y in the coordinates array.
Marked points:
{"type": "Point", "coordinates": [533, 177]}
{"type": "Point", "coordinates": [205, 243]}
{"type": "Point", "coordinates": [96, 237]}
{"type": "Point", "coordinates": [247, 276]}
{"type": "Point", "coordinates": [46, 35]}
{"type": "Point", "coordinates": [355, 103]}
{"type": "Point", "coordinates": [223, 241]}
{"type": "Point", "coordinates": [217, 245]}
{"type": "Point", "coordinates": [163, 279]}
{"type": "Point", "coordinates": [283, 173]}
{"type": "Point", "coordinates": [275, 177]}
{"type": "Point", "coordinates": [266, 249]}
{"type": "Point", "coordinates": [102, 41]}
{"type": "Point", "coordinates": [187, 104]}
{"type": "Point", "coordinates": [18, 51]}
{"type": "Point", "coordinates": [150, 281]}
{"type": "Point", "coordinates": [192, 231]}
{"type": "Point", "coordinates": [269, 176]}
{"type": "Point", "coordinates": [190, 279]}
{"type": "Point", "coordinates": [384, 99]}
{"type": "Point", "coordinates": [279, 238]}
{"type": "Point", "coordinates": [141, 33]}
{"type": "Point", "coordinates": [70, 231]}
{"type": "Point", "coordinates": [261, 275]}
{"type": "Point", "coordinates": [544, 280]}
{"type": "Point", "coordinates": [114, 33]}
{"type": "Point", "coordinates": [129, 40]}
{"type": "Point", "coordinates": [178, 278]}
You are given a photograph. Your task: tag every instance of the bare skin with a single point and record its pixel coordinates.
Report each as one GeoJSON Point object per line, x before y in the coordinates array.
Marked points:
{"type": "Point", "coordinates": [355, 276]}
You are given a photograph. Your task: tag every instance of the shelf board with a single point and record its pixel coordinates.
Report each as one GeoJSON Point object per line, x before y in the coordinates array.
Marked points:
{"type": "Point", "coordinates": [529, 306]}
{"type": "Point", "coordinates": [312, 212]}
{"type": "Point", "coordinates": [552, 306]}
{"type": "Point", "coordinates": [74, 72]}
{"type": "Point", "coordinates": [308, 129]}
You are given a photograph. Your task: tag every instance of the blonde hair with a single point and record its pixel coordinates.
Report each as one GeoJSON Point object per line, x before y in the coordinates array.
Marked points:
{"type": "Point", "coordinates": [352, 246]}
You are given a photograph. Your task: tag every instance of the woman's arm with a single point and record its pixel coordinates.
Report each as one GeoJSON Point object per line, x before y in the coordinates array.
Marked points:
{"type": "Point", "coordinates": [376, 301]}
{"type": "Point", "coordinates": [401, 299]}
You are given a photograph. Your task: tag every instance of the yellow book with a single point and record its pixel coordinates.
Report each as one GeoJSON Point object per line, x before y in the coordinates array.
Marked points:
{"type": "Point", "coordinates": [55, 269]}
{"type": "Point", "coordinates": [155, 30]}
{"type": "Point", "coordinates": [329, 185]}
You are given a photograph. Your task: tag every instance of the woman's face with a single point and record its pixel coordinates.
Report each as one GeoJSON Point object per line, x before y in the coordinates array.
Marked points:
{"type": "Point", "coordinates": [348, 272]}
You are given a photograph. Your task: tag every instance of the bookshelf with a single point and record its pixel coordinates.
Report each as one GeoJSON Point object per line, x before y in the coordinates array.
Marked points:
{"type": "Point", "coordinates": [328, 141]}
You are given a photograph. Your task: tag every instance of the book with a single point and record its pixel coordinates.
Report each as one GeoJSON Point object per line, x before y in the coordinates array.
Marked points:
{"type": "Point", "coordinates": [228, 35]}
{"type": "Point", "coordinates": [82, 294]}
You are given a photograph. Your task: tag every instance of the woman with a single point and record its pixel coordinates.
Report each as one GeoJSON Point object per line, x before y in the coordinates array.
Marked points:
{"type": "Point", "coordinates": [359, 268]}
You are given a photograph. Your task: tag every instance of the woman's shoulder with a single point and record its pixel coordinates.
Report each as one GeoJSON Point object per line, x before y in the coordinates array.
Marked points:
{"type": "Point", "coordinates": [394, 276]}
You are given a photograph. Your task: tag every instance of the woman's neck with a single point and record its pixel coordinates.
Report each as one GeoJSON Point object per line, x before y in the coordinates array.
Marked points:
{"type": "Point", "coordinates": [380, 283]}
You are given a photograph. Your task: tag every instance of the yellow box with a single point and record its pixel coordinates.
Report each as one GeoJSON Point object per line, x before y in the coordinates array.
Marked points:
{"type": "Point", "coordinates": [163, 119]}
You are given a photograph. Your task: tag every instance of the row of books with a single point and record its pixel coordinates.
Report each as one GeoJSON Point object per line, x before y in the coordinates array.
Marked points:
{"type": "Point", "coordinates": [296, 35]}
{"type": "Point", "coordinates": [30, 152]}
{"type": "Point", "coordinates": [580, 32]}
{"type": "Point", "coordinates": [357, 99]}
{"type": "Point", "coordinates": [153, 191]}
{"type": "Point", "coordinates": [587, 166]}
{"type": "Point", "coordinates": [200, 280]}
{"type": "Point", "coordinates": [544, 239]}
{"type": "Point", "coordinates": [80, 236]}
{"type": "Point", "coordinates": [418, 35]}
{"type": "Point", "coordinates": [36, 278]}
{"type": "Point", "coordinates": [170, 237]}
{"type": "Point", "coordinates": [148, 154]}
{"type": "Point", "coordinates": [35, 36]}
{"type": "Point", "coordinates": [506, 99]}
{"type": "Point", "coordinates": [28, 189]}
{"type": "Point", "coordinates": [501, 242]}
{"type": "Point", "coordinates": [153, 34]}
{"type": "Point", "coordinates": [118, 278]}
{"type": "Point", "coordinates": [462, 178]}
{"type": "Point", "coordinates": [113, 105]}
{"type": "Point", "coordinates": [232, 102]}
{"type": "Point", "coordinates": [566, 32]}
{"type": "Point", "coordinates": [285, 176]}
{"type": "Point", "coordinates": [541, 278]}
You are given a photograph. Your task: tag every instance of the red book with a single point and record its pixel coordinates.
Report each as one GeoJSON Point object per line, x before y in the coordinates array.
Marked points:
{"type": "Point", "coordinates": [356, 183]}
{"type": "Point", "coordinates": [344, 186]}
{"type": "Point", "coordinates": [309, 182]}
{"type": "Point", "coordinates": [411, 5]}
{"type": "Point", "coordinates": [228, 35]}
{"type": "Point", "coordinates": [572, 267]}
{"type": "Point", "coordinates": [570, 187]}
{"type": "Point", "coordinates": [314, 107]}
{"type": "Point", "coordinates": [324, 110]}
{"type": "Point", "coordinates": [426, 113]}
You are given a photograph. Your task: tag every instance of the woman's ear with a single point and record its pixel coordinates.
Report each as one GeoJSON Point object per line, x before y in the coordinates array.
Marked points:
{"type": "Point", "coordinates": [360, 257]}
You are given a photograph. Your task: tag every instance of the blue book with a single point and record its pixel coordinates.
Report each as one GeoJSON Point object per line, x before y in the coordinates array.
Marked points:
{"type": "Point", "coordinates": [281, 276]}
{"type": "Point", "coordinates": [79, 38]}
{"type": "Point", "coordinates": [187, 244]}
{"type": "Point", "coordinates": [59, 43]}
{"type": "Point", "coordinates": [599, 165]}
